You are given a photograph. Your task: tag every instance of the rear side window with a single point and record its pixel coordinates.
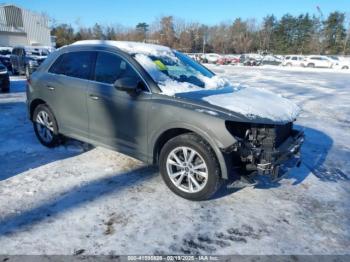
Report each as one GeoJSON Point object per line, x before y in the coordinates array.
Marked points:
{"type": "Point", "coordinates": [110, 67]}
{"type": "Point", "coordinates": [74, 64]}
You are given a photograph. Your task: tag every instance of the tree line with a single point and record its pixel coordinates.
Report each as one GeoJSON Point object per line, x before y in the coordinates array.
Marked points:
{"type": "Point", "coordinates": [302, 34]}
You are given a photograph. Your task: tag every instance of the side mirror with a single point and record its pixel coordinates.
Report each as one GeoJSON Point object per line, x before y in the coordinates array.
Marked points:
{"type": "Point", "coordinates": [127, 84]}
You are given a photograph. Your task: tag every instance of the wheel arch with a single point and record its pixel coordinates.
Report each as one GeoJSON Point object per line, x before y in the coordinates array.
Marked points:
{"type": "Point", "coordinates": [36, 102]}
{"type": "Point", "coordinates": [170, 133]}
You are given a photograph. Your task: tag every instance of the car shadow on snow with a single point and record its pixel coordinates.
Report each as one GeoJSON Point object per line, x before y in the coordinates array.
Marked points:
{"type": "Point", "coordinates": [313, 154]}
{"type": "Point", "coordinates": [73, 198]}
{"type": "Point", "coordinates": [20, 150]}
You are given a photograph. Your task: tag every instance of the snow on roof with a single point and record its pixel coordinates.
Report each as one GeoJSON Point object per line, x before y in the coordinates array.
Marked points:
{"type": "Point", "coordinates": [128, 46]}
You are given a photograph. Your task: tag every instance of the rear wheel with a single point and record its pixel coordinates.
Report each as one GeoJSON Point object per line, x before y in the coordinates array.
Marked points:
{"type": "Point", "coordinates": [45, 126]}
{"type": "Point", "coordinates": [345, 67]}
{"type": "Point", "coordinates": [189, 167]}
{"type": "Point", "coordinates": [5, 88]}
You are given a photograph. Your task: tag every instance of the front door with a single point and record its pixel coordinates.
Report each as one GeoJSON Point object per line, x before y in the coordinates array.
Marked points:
{"type": "Point", "coordinates": [117, 119]}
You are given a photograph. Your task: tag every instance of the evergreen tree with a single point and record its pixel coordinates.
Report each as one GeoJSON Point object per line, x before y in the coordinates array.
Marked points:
{"type": "Point", "coordinates": [64, 34]}
{"type": "Point", "coordinates": [97, 32]}
{"type": "Point", "coordinates": [334, 33]}
{"type": "Point", "coordinates": [141, 29]}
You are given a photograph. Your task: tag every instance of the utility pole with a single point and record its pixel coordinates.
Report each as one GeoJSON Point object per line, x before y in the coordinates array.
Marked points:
{"type": "Point", "coordinates": [204, 44]}
{"type": "Point", "coordinates": [320, 33]}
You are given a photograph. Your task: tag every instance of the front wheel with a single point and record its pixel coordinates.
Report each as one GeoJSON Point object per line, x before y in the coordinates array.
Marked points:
{"type": "Point", "coordinates": [45, 126]}
{"type": "Point", "coordinates": [189, 167]}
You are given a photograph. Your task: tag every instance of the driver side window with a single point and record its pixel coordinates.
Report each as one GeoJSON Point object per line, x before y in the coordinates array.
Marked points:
{"type": "Point", "coordinates": [110, 67]}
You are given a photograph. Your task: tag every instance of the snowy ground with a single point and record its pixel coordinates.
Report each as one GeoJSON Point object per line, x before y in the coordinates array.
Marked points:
{"type": "Point", "coordinates": [79, 199]}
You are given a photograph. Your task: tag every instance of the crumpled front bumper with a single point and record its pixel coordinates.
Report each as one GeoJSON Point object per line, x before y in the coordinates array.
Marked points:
{"type": "Point", "coordinates": [286, 156]}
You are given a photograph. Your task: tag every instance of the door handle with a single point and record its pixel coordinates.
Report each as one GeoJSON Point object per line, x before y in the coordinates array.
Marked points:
{"type": "Point", "coordinates": [51, 88]}
{"type": "Point", "coordinates": [93, 97]}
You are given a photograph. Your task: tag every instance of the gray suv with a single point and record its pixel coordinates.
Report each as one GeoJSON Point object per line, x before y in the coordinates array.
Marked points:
{"type": "Point", "coordinates": [159, 106]}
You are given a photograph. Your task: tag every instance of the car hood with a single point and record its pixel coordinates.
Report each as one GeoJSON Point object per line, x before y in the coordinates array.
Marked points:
{"type": "Point", "coordinates": [245, 103]}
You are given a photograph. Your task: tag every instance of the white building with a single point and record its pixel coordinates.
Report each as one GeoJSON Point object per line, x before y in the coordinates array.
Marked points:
{"type": "Point", "coordinates": [22, 27]}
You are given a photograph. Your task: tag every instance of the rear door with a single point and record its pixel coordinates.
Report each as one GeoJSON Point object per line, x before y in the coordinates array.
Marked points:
{"type": "Point", "coordinates": [66, 87]}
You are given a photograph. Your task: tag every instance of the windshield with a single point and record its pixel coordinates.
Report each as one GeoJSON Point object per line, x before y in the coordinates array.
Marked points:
{"type": "Point", "coordinates": [334, 57]}
{"type": "Point", "coordinates": [175, 66]}
{"type": "Point", "coordinates": [5, 52]}
{"type": "Point", "coordinates": [38, 52]}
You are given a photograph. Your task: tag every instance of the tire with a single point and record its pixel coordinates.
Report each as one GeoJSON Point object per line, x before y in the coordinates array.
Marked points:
{"type": "Point", "coordinates": [46, 130]}
{"type": "Point", "coordinates": [202, 155]}
{"type": "Point", "coordinates": [15, 72]}
{"type": "Point", "coordinates": [345, 67]}
{"type": "Point", "coordinates": [5, 88]}
{"type": "Point", "coordinates": [311, 65]}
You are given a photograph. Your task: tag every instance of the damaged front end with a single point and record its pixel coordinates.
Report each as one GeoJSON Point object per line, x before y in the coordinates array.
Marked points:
{"type": "Point", "coordinates": [265, 149]}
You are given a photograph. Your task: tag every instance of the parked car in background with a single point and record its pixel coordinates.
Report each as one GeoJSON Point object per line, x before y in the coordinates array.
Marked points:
{"type": "Point", "coordinates": [317, 61]}
{"type": "Point", "coordinates": [158, 105]}
{"type": "Point", "coordinates": [228, 60]}
{"type": "Point", "coordinates": [293, 60]}
{"type": "Point", "coordinates": [4, 79]}
{"type": "Point", "coordinates": [250, 61]}
{"type": "Point", "coordinates": [5, 53]}
{"type": "Point", "coordinates": [338, 63]}
{"type": "Point", "coordinates": [211, 58]}
{"type": "Point", "coordinates": [270, 60]}
{"type": "Point", "coordinates": [26, 59]}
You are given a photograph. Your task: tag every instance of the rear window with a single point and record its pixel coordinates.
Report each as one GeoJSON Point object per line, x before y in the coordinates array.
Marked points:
{"type": "Point", "coordinates": [74, 64]}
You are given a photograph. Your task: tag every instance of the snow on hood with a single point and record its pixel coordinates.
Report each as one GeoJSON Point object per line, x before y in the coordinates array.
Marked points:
{"type": "Point", "coordinates": [255, 103]}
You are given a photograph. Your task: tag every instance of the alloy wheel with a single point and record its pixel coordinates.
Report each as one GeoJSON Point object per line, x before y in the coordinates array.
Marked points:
{"type": "Point", "coordinates": [44, 126]}
{"type": "Point", "coordinates": [187, 169]}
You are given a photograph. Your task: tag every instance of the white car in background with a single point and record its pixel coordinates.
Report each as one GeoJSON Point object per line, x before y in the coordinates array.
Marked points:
{"type": "Point", "coordinates": [339, 63]}
{"type": "Point", "coordinates": [293, 60]}
{"type": "Point", "coordinates": [211, 58]}
{"type": "Point", "coordinates": [317, 61]}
